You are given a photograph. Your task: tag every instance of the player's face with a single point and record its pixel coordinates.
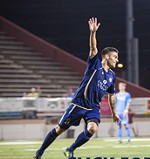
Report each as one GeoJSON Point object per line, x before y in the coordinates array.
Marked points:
{"type": "Point", "coordinates": [112, 59]}
{"type": "Point", "coordinates": [122, 87]}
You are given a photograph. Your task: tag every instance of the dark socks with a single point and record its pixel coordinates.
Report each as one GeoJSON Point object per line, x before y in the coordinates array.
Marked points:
{"type": "Point", "coordinates": [51, 136]}
{"type": "Point", "coordinates": [81, 139]}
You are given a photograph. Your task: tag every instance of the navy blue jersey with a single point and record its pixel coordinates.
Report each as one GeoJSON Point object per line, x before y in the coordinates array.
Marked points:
{"type": "Point", "coordinates": [96, 82]}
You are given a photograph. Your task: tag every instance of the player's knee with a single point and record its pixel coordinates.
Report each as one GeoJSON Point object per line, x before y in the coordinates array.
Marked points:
{"type": "Point", "coordinates": [59, 130]}
{"type": "Point", "coordinates": [126, 125]}
{"type": "Point", "coordinates": [92, 128]}
{"type": "Point", "coordinates": [120, 126]}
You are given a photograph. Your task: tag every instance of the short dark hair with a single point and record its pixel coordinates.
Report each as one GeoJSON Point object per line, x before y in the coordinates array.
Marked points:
{"type": "Point", "coordinates": [108, 50]}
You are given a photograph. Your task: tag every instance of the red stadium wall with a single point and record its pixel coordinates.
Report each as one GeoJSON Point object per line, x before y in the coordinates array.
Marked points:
{"type": "Point", "coordinates": [60, 55]}
{"type": "Point", "coordinates": [42, 46]}
{"type": "Point", "coordinates": [135, 90]}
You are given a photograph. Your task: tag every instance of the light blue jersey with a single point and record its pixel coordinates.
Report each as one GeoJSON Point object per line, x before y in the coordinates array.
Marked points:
{"type": "Point", "coordinates": [95, 84]}
{"type": "Point", "coordinates": [121, 101]}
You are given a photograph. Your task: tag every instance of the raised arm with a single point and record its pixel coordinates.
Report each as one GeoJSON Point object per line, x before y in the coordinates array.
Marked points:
{"type": "Point", "coordinates": [93, 26]}
{"type": "Point", "coordinates": [112, 104]}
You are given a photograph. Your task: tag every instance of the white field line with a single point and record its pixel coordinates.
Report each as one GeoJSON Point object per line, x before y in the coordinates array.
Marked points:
{"type": "Point", "coordinates": [27, 157]}
{"type": "Point", "coordinates": [92, 147]}
{"type": "Point", "coordinates": [38, 142]}
{"type": "Point", "coordinates": [132, 139]}
{"type": "Point", "coordinates": [20, 143]}
{"type": "Point", "coordinates": [131, 146]}
{"type": "Point", "coordinates": [64, 148]}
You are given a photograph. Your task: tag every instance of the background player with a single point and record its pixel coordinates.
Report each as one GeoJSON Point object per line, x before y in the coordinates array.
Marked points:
{"type": "Point", "coordinates": [123, 100]}
{"type": "Point", "coordinates": [98, 79]}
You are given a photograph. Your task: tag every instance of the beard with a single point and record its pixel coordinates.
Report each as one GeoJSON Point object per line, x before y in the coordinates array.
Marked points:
{"type": "Point", "coordinates": [110, 64]}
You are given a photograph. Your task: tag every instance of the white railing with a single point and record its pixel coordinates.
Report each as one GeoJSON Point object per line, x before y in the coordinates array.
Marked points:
{"type": "Point", "coordinates": [33, 106]}
{"type": "Point", "coordinates": [44, 107]}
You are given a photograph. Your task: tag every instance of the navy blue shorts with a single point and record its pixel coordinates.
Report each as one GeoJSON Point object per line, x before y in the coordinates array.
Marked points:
{"type": "Point", "coordinates": [75, 113]}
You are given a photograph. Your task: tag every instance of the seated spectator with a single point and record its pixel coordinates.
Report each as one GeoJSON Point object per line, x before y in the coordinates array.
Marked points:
{"type": "Point", "coordinates": [69, 93]}
{"type": "Point", "coordinates": [35, 92]}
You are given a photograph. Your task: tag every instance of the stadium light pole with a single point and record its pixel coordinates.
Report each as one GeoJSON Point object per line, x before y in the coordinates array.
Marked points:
{"type": "Point", "coordinates": [132, 46]}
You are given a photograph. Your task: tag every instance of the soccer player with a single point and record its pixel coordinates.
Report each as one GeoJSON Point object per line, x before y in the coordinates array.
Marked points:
{"type": "Point", "coordinates": [123, 100]}
{"type": "Point", "coordinates": [98, 79]}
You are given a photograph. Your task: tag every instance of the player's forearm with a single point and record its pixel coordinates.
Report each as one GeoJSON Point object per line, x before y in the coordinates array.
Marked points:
{"type": "Point", "coordinates": [127, 107]}
{"type": "Point", "coordinates": [112, 103]}
{"type": "Point", "coordinates": [93, 44]}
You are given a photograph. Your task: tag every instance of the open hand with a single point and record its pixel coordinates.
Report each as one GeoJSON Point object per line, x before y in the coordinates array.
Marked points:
{"type": "Point", "coordinates": [93, 26]}
{"type": "Point", "coordinates": [116, 118]}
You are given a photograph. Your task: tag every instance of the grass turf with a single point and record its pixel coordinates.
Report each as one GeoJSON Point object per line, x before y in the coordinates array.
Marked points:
{"type": "Point", "coordinates": [94, 148]}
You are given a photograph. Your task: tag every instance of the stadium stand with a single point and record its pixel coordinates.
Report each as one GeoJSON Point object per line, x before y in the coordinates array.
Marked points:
{"type": "Point", "coordinates": [21, 69]}
{"type": "Point", "coordinates": [27, 61]}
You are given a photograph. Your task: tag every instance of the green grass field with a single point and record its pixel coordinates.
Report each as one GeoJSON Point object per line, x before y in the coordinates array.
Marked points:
{"type": "Point", "coordinates": [138, 147]}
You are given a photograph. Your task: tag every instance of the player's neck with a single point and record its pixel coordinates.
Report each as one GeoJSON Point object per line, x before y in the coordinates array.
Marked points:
{"type": "Point", "coordinates": [122, 91]}
{"type": "Point", "coordinates": [104, 65]}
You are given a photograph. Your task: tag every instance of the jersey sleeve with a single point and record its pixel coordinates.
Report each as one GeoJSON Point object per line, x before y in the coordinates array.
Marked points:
{"type": "Point", "coordinates": [128, 98]}
{"type": "Point", "coordinates": [93, 63]}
